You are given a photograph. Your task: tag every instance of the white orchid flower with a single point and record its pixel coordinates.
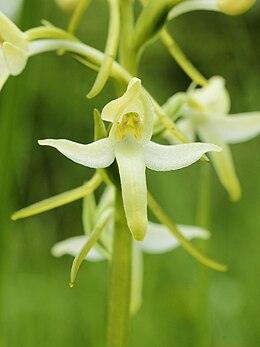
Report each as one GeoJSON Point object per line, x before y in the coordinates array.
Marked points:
{"type": "Point", "coordinates": [230, 7]}
{"type": "Point", "coordinates": [206, 114]}
{"type": "Point", "coordinates": [14, 49]}
{"type": "Point", "coordinates": [158, 240]}
{"type": "Point", "coordinates": [129, 143]}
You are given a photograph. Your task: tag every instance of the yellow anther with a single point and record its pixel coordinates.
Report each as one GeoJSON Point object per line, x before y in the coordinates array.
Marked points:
{"type": "Point", "coordinates": [129, 125]}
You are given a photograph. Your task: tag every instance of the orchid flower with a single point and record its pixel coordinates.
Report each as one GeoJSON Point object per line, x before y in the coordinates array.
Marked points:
{"type": "Point", "coordinates": [230, 7]}
{"type": "Point", "coordinates": [129, 143]}
{"type": "Point", "coordinates": [159, 240]}
{"type": "Point", "coordinates": [206, 113]}
{"type": "Point", "coordinates": [14, 49]}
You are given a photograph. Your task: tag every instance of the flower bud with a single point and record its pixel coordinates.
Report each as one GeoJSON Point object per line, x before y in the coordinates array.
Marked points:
{"type": "Point", "coordinates": [67, 5]}
{"type": "Point", "coordinates": [235, 7]}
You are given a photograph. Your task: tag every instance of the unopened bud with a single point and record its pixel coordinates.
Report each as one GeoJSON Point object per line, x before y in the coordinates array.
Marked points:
{"type": "Point", "coordinates": [235, 7]}
{"type": "Point", "coordinates": [67, 5]}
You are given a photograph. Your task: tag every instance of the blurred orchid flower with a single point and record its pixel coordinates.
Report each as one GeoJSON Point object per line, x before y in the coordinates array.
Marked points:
{"type": "Point", "coordinates": [230, 7]}
{"type": "Point", "coordinates": [129, 143]}
{"type": "Point", "coordinates": [67, 5]}
{"type": "Point", "coordinates": [206, 113]}
{"type": "Point", "coordinates": [158, 240]}
{"type": "Point", "coordinates": [14, 49]}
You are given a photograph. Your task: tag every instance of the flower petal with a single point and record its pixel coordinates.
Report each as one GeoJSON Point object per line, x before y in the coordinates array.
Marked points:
{"type": "Point", "coordinates": [159, 239]}
{"type": "Point", "coordinates": [130, 159]}
{"type": "Point", "coordinates": [98, 154]}
{"type": "Point", "coordinates": [237, 128]}
{"type": "Point", "coordinates": [213, 98]}
{"type": "Point", "coordinates": [115, 108]}
{"type": "Point", "coordinates": [15, 58]}
{"type": "Point", "coordinates": [166, 158]}
{"type": "Point", "coordinates": [134, 100]}
{"type": "Point", "coordinates": [73, 246]}
{"type": "Point", "coordinates": [11, 33]}
{"type": "Point", "coordinates": [223, 163]}
{"type": "Point", "coordinates": [137, 280]}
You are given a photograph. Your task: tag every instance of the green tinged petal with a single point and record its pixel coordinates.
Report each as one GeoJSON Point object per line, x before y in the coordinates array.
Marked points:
{"type": "Point", "coordinates": [120, 106]}
{"type": "Point", "coordinates": [15, 58]}
{"type": "Point", "coordinates": [236, 128]}
{"type": "Point", "coordinates": [130, 159]}
{"type": "Point", "coordinates": [223, 163]}
{"type": "Point", "coordinates": [166, 158]}
{"type": "Point", "coordinates": [213, 98]}
{"type": "Point", "coordinates": [11, 33]}
{"type": "Point", "coordinates": [98, 154]}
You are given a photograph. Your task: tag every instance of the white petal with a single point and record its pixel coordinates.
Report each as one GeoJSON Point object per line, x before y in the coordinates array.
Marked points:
{"type": "Point", "coordinates": [15, 58]}
{"type": "Point", "coordinates": [98, 154]}
{"type": "Point", "coordinates": [137, 280]}
{"type": "Point", "coordinates": [130, 159]}
{"type": "Point", "coordinates": [213, 98]}
{"type": "Point", "coordinates": [192, 5]}
{"type": "Point", "coordinates": [160, 240]}
{"type": "Point", "coordinates": [11, 33]}
{"type": "Point", "coordinates": [237, 128]}
{"type": "Point", "coordinates": [73, 246]}
{"type": "Point", "coordinates": [166, 158]}
{"type": "Point", "coordinates": [134, 100]}
{"type": "Point", "coordinates": [115, 108]}
{"type": "Point", "coordinates": [223, 163]}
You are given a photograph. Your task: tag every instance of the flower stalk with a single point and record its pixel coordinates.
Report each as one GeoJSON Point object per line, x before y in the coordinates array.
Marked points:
{"type": "Point", "coordinates": [120, 279]}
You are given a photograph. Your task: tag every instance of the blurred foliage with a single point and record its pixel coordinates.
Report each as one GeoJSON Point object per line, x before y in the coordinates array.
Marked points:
{"type": "Point", "coordinates": [185, 304]}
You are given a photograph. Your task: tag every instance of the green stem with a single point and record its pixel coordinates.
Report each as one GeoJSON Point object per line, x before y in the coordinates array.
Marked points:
{"type": "Point", "coordinates": [181, 59]}
{"type": "Point", "coordinates": [203, 213]}
{"type": "Point", "coordinates": [44, 32]}
{"type": "Point", "coordinates": [120, 279]}
{"type": "Point", "coordinates": [202, 296]}
{"type": "Point", "coordinates": [77, 14]}
{"type": "Point", "coordinates": [60, 199]}
{"type": "Point", "coordinates": [165, 219]}
{"type": "Point", "coordinates": [127, 56]}
{"type": "Point", "coordinates": [110, 50]}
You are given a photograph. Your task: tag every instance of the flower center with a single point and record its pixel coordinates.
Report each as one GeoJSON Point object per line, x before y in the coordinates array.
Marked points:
{"type": "Point", "coordinates": [129, 125]}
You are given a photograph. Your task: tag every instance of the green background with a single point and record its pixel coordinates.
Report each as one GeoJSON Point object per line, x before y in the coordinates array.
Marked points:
{"type": "Point", "coordinates": [184, 304]}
